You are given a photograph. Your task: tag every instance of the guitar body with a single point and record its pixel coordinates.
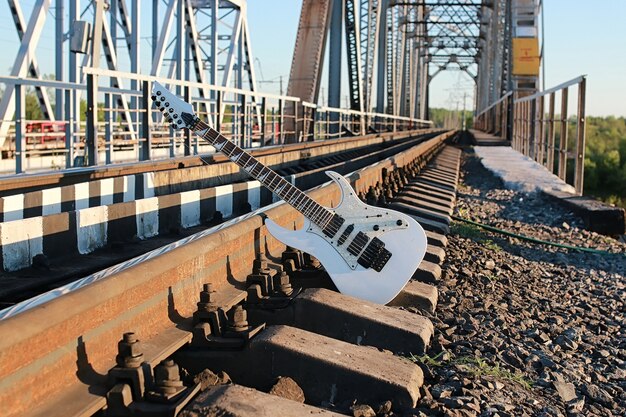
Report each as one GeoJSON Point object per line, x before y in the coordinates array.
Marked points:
{"type": "Point", "coordinates": [406, 242]}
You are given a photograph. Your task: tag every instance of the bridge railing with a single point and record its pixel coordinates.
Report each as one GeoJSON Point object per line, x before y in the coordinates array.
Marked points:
{"type": "Point", "coordinates": [103, 124]}
{"type": "Point", "coordinates": [538, 130]}
{"type": "Point", "coordinates": [494, 119]}
{"type": "Point", "coordinates": [543, 134]}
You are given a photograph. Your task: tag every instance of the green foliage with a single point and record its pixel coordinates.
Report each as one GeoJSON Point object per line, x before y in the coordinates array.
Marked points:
{"type": "Point", "coordinates": [472, 365]}
{"type": "Point", "coordinates": [605, 159]}
{"type": "Point", "coordinates": [468, 231]}
{"type": "Point", "coordinates": [450, 118]}
{"type": "Point", "coordinates": [477, 367]}
{"type": "Point", "coordinates": [33, 111]}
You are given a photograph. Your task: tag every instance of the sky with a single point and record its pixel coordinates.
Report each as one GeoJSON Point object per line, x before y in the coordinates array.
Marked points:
{"type": "Point", "coordinates": [581, 37]}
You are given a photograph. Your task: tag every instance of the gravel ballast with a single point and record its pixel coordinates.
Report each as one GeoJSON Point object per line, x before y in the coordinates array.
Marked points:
{"type": "Point", "coordinates": [524, 329]}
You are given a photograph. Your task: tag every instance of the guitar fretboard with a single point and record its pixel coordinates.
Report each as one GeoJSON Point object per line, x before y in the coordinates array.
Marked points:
{"type": "Point", "coordinates": [266, 176]}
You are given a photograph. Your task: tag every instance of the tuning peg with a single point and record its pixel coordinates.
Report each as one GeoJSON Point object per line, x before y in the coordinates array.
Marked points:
{"type": "Point", "coordinates": [171, 110]}
{"type": "Point", "coordinates": [162, 97]}
{"type": "Point", "coordinates": [158, 93]}
{"type": "Point", "coordinates": [167, 104]}
{"type": "Point", "coordinates": [175, 116]}
{"type": "Point", "coordinates": [162, 109]}
{"type": "Point", "coordinates": [180, 122]}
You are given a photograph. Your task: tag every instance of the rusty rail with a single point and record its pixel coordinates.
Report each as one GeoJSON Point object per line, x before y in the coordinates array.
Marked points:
{"type": "Point", "coordinates": [54, 357]}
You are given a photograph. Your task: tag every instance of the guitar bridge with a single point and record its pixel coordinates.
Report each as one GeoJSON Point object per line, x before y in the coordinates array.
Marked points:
{"type": "Point", "coordinates": [375, 256]}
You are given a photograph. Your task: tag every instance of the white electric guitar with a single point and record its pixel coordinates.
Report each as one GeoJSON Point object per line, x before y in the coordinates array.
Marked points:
{"type": "Point", "coordinates": [369, 252]}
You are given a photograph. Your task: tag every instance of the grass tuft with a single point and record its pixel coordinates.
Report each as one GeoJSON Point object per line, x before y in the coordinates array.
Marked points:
{"type": "Point", "coordinates": [474, 366]}
{"type": "Point", "coordinates": [479, 367]}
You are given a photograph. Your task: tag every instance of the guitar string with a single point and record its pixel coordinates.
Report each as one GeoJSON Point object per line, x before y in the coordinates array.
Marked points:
{"type": "Point", "coordinates": [317, 212]}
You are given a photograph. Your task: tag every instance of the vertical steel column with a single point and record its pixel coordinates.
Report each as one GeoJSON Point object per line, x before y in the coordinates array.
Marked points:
{"type": "Point", "coordinates": [539, 123]}
{"type": "Point", "coordinates": [172, 144]}
{"type": "Point", "coordinates": [20, 128]}
{"type": "Point", "coordinates": [295, 120]}
{"type": "Point", "coordinates": [91, 134]}
{"type": "Point", "coordinates": [59, 56]}
{"type": "Point", "coordinates": [281, 115]}
{"type": "Point", "coordinates": [180, 42]}
{"type": "Point", "coordinates": [91, 140]}
{"type": "Point", "coordinates": [382, 54]}
{"type": "Point", "coordinates": [218, 119]}
{"type": "Point", "coordinates": [187, 132]}
{"type": "Point", "coordinates": [113, 12]}
{"type": "Point", "coordinates": [214, 56]}
{"type": "Point", "coordinates": [135, 56]}
{"type": "Point", "coordinates": [263, 120]}
{"type": "Point", "coordinates": [579, 173]}
{"type": "Point", "coordinates": [242, 121]}
{"type": "Point", "coordinates": [108, 134]}
{"type": "Point", "coordinates": [551, 132]}
{"type": "Point", "coordinates": [155, 25]}
{"type": "Point", "coordinates": [73, 112]}
{"type": "Point", "coordinates": [334, 63]}
{"type": "Point", "coordinates": [69, 128]}
{"type": "Point", "coordinates": [563, 139]}
{"type": "Point", "coordinates": [146, 119]}
{"type": "Point", "coordinates": [504, 114]}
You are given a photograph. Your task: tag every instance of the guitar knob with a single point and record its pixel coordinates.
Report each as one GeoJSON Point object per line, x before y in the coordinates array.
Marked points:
{"type": "Point", "coordinates": [376, 227]}
{"type": "Point", "coordinates": [399, 222]}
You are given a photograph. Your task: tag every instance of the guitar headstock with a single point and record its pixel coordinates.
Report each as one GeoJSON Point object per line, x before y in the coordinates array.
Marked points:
{"type": "Point", "coordinates": [175, 110]}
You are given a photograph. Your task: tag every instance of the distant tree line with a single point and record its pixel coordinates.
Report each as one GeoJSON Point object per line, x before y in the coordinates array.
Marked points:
{"type": "Point", "coordinates": [605, 159]}
{"type": "Point", "coordinates": [450, 119]}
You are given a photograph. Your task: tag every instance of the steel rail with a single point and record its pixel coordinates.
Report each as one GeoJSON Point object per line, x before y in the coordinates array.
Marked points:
{"type": "Point", "coordinates": [54, 357]}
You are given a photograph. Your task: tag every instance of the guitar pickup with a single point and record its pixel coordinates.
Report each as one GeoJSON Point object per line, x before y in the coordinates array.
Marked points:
{"type": "Point", "coordinates": [345, 235]}
{"type": "Point", "coordinates": [358, 243]}
{"type": "Point", "coordinates": [333, 226]}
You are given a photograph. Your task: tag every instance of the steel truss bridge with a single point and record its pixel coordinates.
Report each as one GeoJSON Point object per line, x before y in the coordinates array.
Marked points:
{"type": "Point", "coordinates": [389, 51]}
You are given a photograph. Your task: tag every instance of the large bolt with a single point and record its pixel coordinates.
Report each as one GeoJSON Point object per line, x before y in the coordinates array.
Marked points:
{"type": "Point", "coordinates": [167, 379]}
{"type": "Point", "coordinates": [371, 197]}
{"type": "Point", "coordinates": [238, 319]}
{"type": "Point", "coordinates": [284, 284]}
{"type": "Point", "coordinates": [207, 302]}
{"type": "Point", "coordinates": [291, 259]}
{"type": "Point", "coordinates": [129, 354]}
{"type": "Point", "coordinates": [382, 201]}
{"type": "Point", "coordinates": [259, 265]}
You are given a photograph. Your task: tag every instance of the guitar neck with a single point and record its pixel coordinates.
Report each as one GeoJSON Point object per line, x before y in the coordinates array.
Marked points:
{"type": "Point", "coordinates": [265, 175]}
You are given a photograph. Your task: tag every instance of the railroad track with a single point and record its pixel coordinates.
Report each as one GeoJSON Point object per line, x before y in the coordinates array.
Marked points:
{"type": "Point", "coordinates": [116, 218]}
{"type": "Point", "coordinates": [233, 299]}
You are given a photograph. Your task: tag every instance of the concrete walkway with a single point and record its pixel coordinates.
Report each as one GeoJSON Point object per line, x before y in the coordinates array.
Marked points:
{"type": "Point", "coordinates": [519, 172]}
